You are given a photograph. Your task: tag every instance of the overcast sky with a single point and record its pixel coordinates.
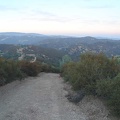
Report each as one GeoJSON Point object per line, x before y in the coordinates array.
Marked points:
{"type": "Point", "coordinates": [63, 17]}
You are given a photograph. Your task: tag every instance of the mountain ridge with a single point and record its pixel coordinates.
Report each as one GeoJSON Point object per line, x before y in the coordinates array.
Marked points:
{"type": "Point", "coordinates": [36, 38]}
{"type": "Point", "coordinates": [73, 46]}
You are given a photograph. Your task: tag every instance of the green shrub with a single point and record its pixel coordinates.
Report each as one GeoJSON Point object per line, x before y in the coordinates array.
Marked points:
{"type": "Point", "coordinates": [109, 89]}
{"type": "Point", "coordinates": [9, 71]}
{"type": "Point", "coordinates": [12, 70]}
{"type": "Point", "coordinates": [48, 68]}
{"type": "Point", "coordinates": [30, 69]}
{"type": "Point", "coordinates": [55, 69]}
{"type": "Point", "coordinates": [91, 67]}
{"type": "Point", "coordinates": [68, 71]}
{"type": "Point", "coordinates": [96, 74]}
{"type": "Point", "coordinates": [2, 77]}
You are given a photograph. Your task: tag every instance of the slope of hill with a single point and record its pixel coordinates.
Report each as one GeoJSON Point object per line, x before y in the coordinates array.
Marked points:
{"type": "Point", "coordinates": [63, 43]}
{"type": "Point", "coordinates": [25, 38]}
{"type": "Point", "coordinates": [31, 53]}
{"type": "Point", "coordinates": [110, 48]}
{"type": "Point", "coordinates": [44, 40]}
{"type": "Point", "coordinates": [21, 38]}
{"type": "Point", "coordinates": [73, 46]}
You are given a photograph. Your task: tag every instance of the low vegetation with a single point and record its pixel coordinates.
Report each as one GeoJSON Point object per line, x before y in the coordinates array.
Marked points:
{"type": "Point", "coordinates": [30, 69]}
{"type": "Point", "coordinates": [95, 74]}
{"type": "Point", "coordinates": [98, 75]}
{"type": "Point", "coordinates": [11, 70]}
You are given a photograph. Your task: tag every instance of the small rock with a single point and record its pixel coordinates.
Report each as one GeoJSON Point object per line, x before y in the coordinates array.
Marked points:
{"type": "Point", "coordinates": [76, 97]}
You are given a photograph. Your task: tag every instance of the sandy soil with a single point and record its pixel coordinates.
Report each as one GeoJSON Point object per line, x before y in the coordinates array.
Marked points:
{"type": "Point", "coordinates": [43, 98]}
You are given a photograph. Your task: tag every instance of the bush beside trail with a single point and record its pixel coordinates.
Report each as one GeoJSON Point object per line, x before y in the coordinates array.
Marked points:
{"type": "Point", "coordinates": [96, 75]}
{"type": "Point", "coordinates": [30, 69]}
{"type": "Point", "coordinates": [109, 89]}
{"type": "Point", "coordinates": [11, 70]}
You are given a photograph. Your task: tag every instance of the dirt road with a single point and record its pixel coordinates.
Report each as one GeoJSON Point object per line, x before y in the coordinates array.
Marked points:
{"type": "Point", "coordinates": [40, 98]}
{"type": "Point", "coordinates": [43, 98]}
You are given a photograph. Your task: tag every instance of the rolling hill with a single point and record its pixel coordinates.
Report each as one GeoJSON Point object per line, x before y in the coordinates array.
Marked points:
{"type": "Point", "coordinates": [55, 45]}
{"type": "Point", "coordinates": [30, 53]}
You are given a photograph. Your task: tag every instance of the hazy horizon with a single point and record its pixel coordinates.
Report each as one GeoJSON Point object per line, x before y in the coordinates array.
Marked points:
{"type": "Point", "coordinates": [70, 18]}
{"type": "Point", "coordinates": [62, 35]}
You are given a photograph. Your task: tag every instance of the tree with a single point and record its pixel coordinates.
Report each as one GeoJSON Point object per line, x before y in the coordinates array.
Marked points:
{"type": "Point", "coordinates": [65, 59]}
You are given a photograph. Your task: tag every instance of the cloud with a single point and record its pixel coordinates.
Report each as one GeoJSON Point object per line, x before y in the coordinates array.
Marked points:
{"type": "Point", "coordinates": [49, 18]}
{"type": "Point", "coordinates": [45, 13]}
{"type": "Point", "coordinates": [40, 15]}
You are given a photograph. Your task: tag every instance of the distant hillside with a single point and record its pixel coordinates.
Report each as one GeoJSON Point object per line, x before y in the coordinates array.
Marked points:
{"type": "Point", "coordinates": [21, 38]}
{"type": "Point", "coordinates": [55, 45]}
{"type": "Point", "coordinates": [63, 43]}
{"type": "Point", "coordinates": [76, 46]}
{"type": "Point", "coordinates": [31, 53]}
{"type": "Point", "coordinates": [110, 48]}
{"type": "Point", "coordinates": [44, 40]}
{"type": "Point", "coordinates": [25, 38]}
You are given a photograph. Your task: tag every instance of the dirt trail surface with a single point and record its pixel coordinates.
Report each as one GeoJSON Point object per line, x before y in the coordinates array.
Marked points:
{"type": "Point", "coordinates": [42, 98]}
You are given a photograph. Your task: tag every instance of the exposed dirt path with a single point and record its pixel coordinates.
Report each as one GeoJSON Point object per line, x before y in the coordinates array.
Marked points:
{"type": "Point", "coordinates": [40, 98]}
{"type": "Point", "coordinates": [43, 98]}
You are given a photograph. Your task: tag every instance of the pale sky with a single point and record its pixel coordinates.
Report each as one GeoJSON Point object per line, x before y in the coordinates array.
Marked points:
{"type": "Point", "coordinates": [61, 17]}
